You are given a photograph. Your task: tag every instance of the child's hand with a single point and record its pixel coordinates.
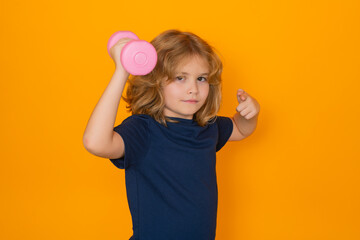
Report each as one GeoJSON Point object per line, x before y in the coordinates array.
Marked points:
{"type": "Point", "coordinates": [115, 51]}
{"type": "Point", "coordinates": [248, 107]}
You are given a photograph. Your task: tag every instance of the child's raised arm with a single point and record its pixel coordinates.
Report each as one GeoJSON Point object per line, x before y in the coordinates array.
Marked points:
{"type": "Point", "coordinates": [99, 136]}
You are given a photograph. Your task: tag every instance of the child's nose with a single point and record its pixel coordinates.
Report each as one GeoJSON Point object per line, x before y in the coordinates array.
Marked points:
{"type": "Point", "coordinates": [193, 88]}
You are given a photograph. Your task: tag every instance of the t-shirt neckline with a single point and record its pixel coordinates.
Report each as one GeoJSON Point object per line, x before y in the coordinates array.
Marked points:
{"type": "Point", "coordinates": [183, 120]}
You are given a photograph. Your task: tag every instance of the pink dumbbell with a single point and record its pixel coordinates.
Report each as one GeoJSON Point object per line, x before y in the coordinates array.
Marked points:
{"type": "Point", "coordinates": [138, 57]}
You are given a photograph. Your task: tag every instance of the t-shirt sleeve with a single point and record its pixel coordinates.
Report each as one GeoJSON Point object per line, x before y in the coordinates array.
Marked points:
{"type": "Point", "coordinates": [134, 132]}
{"type": "Point", "coordinates": [225, 128]}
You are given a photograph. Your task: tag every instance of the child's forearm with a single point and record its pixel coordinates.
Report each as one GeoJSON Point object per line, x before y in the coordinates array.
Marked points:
{"type": "Point", "coordinates": [245, 126]}
{"type": "Point", "coordinates": [99, 130]}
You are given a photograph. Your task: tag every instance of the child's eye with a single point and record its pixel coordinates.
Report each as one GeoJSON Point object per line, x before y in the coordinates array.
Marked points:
{"type": "Point", "coordinates": [181, 78]}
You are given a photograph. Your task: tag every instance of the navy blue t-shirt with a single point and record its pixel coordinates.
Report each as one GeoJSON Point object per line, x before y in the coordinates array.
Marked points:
{"type": "Point", "coordinates": [170, 176]}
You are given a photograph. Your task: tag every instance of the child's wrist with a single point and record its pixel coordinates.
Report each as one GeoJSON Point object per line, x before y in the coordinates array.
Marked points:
{"type": "Point", "coordinates": [121, 70]}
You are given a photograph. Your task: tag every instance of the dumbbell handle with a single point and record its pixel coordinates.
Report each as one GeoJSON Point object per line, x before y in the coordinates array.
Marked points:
{"type": "Point", "coordinates": [138, 57]}
{"type": "Point", "coordinates": [119, 35]}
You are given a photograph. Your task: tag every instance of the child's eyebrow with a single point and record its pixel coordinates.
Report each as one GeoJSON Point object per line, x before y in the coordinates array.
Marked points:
{"type": "Point", "coordinates": [185, 73]}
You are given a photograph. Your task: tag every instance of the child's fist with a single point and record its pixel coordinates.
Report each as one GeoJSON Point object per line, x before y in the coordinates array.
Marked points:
{"type": "Point", "coordinates": [115, 51]}
{"type": "Point", "coordinates": [248, 107]}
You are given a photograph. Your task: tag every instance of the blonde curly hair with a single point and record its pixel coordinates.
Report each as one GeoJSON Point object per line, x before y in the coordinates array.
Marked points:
{"type": "Point", "coordinates": [144, 93]}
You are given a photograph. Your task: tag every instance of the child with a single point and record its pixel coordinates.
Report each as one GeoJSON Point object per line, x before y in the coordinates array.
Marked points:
{"type": "Point", "coordinates": [168, 145]}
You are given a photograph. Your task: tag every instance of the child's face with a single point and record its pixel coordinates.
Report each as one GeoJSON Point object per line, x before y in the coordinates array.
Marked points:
{"type": "Point", "coordinates": [191, 82]}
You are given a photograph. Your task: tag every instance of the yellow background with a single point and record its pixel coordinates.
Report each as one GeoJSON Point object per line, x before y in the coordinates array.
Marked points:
{"type": "Point", "coordinates": [296, 177]}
